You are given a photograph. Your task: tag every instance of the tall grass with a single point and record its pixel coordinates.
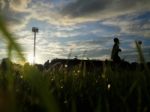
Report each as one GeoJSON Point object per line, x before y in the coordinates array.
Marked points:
{"type": "Point", "coordinates": [26, 89]}
{"type": "Point", "coordinates": [8, 37]}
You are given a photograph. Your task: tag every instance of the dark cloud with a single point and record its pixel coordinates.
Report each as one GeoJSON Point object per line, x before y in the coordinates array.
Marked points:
{"type": "Point", "coordinates": [12, 17]}
{"type": "Point", "coordinates": [86, 7]}
{"type": "Point", "coordinates": [7, 13]}
{"type": "Point", "coordinates": [83, 7]}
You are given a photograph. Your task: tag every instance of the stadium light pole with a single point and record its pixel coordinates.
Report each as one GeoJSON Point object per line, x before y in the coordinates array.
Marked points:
{"type": "Point", "coordinates": [34, 30]}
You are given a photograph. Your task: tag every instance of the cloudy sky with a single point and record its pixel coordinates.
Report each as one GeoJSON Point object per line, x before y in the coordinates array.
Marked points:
{"type": "Point", "coordinates": [82, 28]}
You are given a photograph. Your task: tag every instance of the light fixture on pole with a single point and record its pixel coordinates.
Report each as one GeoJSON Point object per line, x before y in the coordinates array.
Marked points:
{"type": "Point", "coordinates": [34, 30]}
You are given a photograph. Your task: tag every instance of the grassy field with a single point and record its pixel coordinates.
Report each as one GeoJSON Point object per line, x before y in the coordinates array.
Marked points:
{"type": "Point", "coordinates": [26, 89]}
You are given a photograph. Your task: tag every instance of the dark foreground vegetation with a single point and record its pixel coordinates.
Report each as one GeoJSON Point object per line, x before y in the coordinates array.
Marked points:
{"type": "Point", "coordinates": [107, 87]}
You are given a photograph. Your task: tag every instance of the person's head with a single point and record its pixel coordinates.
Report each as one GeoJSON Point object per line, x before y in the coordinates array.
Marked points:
{"type": "Point", "coordinates": [140, 42]}
{"type": "Point", "coordinates": [116, 40]}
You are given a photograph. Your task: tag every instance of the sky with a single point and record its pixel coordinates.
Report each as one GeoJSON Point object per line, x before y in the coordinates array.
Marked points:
{"type": "Point", "coordinates": [82, 28]}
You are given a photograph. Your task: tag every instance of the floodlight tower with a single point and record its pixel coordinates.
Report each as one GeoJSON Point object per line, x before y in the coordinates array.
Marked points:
{"type": "Point", "coordinates": [34, 30]}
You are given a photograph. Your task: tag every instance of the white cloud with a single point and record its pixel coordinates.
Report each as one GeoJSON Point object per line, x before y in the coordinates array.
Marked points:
{"type": "Point", "coordinates": [130, 26]}
{"type": "Point", "coordinates": [19, 5]}
{"type": "Point", "coordinates": [19, 14]}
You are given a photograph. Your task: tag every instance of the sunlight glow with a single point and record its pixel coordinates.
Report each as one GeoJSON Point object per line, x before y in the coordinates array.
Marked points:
{"type": "Point", "coordinates": [30, 58]}
{"type": "Point", "coordinates": [39, 59]}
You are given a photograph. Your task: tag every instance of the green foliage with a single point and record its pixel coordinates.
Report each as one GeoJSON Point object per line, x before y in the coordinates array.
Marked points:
{"type": "Point", "coordinates": [11, 43]}
{"type": "Point", "coordinates": [41, 86]}
{"type": "Point", "coordinates": [139, 50]}
{"type": "Point", "coordinates": [76, 90]}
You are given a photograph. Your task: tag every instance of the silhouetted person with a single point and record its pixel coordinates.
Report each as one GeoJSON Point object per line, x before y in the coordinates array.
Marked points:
{"type": "Point", "coordinates": [114, 55]}
{"type": "Point", "coordinates": [140, 42]}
